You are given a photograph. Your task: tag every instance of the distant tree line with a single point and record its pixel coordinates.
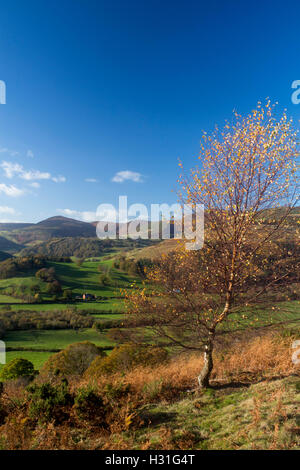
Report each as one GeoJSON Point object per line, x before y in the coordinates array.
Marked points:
{"type": "Point", "coordinates": [13, 266]}
{"type": "Point", "coordinates": [131, 266]}
{"type": "Point", "coordinates": [52, 320]}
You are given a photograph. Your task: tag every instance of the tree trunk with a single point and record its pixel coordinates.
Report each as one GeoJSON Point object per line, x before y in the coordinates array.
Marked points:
{"type": "Point", "coordinates": [204, 376]}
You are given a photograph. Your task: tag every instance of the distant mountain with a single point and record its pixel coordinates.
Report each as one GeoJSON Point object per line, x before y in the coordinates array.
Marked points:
{"type": "Point", "coordinates": [14, 235]}
{"type": "Point", "coordinates": [54, 227]}
{"type": "Point", "coordinates": [66, 227]}
{"type": "Point", "coordinates": [8, 227]}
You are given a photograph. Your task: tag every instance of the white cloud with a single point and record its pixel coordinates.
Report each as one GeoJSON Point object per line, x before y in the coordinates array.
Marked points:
{"type": "Point", "coordinates": [59, 179]}
{"type": "Point", "coordinates": [12, 153]}
{"type": "Point", "coordinates": [108, 214]}
{"type": "Point", "coordinates": [15, 169]}
{"type": "Point", "coordinates": [6, 210]}
{"type": "Point", "coordinates": [86, 216]}
{"type": "Point", "coordinates": [10, 169]}
{"type": "Point", "coordinates": [11, 190]}
{"type": "Point", "coordinates": [30, 175]}
{"type": "Point", "coordinates": [29, 153]}
{"type": "Point", "coordinates": [35, 185]}
{"type": "Point", "coordinates": [122, 176]}
{"type": "Point", "coordinates": [90, 180]}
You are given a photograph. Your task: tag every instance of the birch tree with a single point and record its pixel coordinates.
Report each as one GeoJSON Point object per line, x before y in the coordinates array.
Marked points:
{"type": "Point", "coordinates": [247, 182]}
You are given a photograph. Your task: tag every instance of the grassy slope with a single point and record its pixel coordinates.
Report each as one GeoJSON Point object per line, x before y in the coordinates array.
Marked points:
{"type": "Point", "coordinates": [86, 278]}
{"type": "Point", "coordinates": [80, 279]}
{"type": "Point", "coordinates": [262, 416]}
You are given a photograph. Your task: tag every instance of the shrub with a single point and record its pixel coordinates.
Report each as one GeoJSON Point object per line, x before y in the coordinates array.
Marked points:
{"type": "Point", "coordinates": [89, 405]}
{"type": "Point", "coordinates": [46, 275]}
{"type": "Point", "coordinates": [67, 294]}
{"type": "Point", "coordinates": [125, 357]}
{"type": "Point", "coordinates": [16, 368]}
{"type": "Point", "coordinates": [46, 401]}
{"type": "Point", "coordinates": [73, 360]}
{"type": "Point", "coordinates": [54, 287]}
{"type": "Point", "coordinates": [114, 393]}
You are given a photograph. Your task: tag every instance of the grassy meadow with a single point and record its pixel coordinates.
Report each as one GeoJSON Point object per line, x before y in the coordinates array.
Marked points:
{"type": "Point", "coordinates": [38, 344]}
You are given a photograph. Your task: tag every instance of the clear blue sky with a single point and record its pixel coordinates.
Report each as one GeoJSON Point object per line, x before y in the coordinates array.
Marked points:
{"type": "Point", "coordinates": [95, 88]}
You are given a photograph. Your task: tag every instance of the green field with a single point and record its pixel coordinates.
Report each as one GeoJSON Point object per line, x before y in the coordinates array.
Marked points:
{"type": "Point", "coordinates": [287, 313]}
{"type": "Point", "coordinates": [37, 358]}
{"type": "Point", "coordinates": [48, 339]}
{"type": "Point", "coordinates": [53, 339]}
{"type": "Point", "coordinates": [86, 278]}
{"type": "Point", "coordinates": [110, 306]}
{"type": "Point", "coordinates": [6, 299]}
{"type": "Point", "coordinates": [80, 279]}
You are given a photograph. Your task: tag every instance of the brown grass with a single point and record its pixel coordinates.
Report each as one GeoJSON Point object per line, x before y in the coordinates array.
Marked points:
{"type": "Point", "coordinates": [248, 360]}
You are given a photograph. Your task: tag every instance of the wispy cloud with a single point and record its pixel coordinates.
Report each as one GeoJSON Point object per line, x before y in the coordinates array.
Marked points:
{"type": "Point", "coordinates": [7, 210]}
{"type": "Point", "coordinates": [31, 175]}
{"type": "Point", "coordinates": [91, 180]}
{"type": "Point", "coordinates": [11, 190]}
{"type": "Point", "coordinates": [35, 185]}
{"type": "Point", "coordinates": [12, 153]}
{"type": "Point", "coordinates": [29, 153]}
{"type": "Point", "coordinates": [107, 214]}
{"type": "Point", "coordinates": [15, 169]}
{"type": "Point", "coordinates": [10, 169]}
{"type": "Point", "coordinates": [127, 175]}
{"type": "Point", "coordinates": [59, 179]}
{"type": "Point", "coordinates": [86, 216]}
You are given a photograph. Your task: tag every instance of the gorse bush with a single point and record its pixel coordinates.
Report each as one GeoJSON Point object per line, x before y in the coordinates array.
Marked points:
{"type": "Point", "coordinates": [16, 368]}
{"type": "Point", "coordinates": [89, 405]}
{"type": "Point", "coordinates": [125, 357]}
{"type": "Point", "coordinates": [46, 402]}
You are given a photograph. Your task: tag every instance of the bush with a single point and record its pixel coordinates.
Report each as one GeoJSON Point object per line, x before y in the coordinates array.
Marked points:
{"type": "Point", "coordinates": [18, 368]}
{"type": "Point", "coordinates": [74, 360]}
{"type": "Point", "coordinates": [54, 287]}
{"type": "Point", "coordinates": [67, 294]}
{"type": "Point", "coordinates": [89, 405]}
{"type": "Point", "coordinates": [46, 401]}
{"type": "Point", "coordinates": [126, 357]}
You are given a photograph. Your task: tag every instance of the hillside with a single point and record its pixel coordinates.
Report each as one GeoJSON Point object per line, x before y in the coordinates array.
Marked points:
{"type": "Point", "coordinates": [9, 246]}
{"type": "Point", "coordinates": [84, 247]}
{"type": "Point", "coordinates": [8, 227]}
{"type": "Point", "coordinates": [4, 256]}
{"type": "Point", "coordinates": [154, 252]}
{"type": "Point", "coordinates": [253, 403]}
{"type": "Point", "coordinates": [53, 227]}
{"type": "Point", "coordinates": [54, 235]}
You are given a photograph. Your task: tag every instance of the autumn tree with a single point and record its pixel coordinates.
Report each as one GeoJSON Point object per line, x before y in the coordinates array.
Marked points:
{"type": "Point", "coordinates": [247, 184]}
